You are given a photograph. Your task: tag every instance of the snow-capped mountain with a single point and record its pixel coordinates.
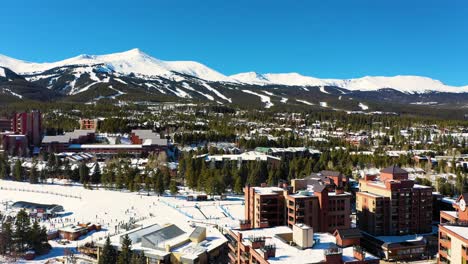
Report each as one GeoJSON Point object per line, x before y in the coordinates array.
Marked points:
{"type": "Point", "coordinates": [137, 62]}
{"type": "Point", "coordinates": [136, 76]}
{"type": "Point", "coordinates": [132, 61]}
{"type": "Point", "coordinates": [406, 84]}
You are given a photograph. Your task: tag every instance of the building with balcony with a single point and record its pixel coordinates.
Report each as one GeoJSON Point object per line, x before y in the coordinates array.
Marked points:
{"type": "Point", "coordinates": [395, 215]}
{"type": "Point", "coordinates": [28, 124]}
{"type": "Point", "coordinates": [316, 206]}
{"type": "Point", "coordinates": [393, 205]}
{"type": "Point", "coordinates": [453, 233]}
{"type": "Point", "coordinates": [299, 244]}
{"type": "Point", "coordinates": [264, 206]}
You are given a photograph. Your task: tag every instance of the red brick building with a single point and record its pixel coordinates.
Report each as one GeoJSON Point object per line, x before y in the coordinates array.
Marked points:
{"type": "Point", "coordinates": [393, 204]}
{"type": "Point", "coordinates": [316, 206]}
{"type": "Point", "coordinates": [28, 124]}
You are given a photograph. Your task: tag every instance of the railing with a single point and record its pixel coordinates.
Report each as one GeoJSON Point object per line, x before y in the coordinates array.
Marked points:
{"type": "Point", "coordinates": [444, 239]}
{"type": "Point", "coordinates": [456, 223]}
{"type": "Point", "coordinates": [445, 251]}
{"type": "Point", "coordinates": [333, 251]}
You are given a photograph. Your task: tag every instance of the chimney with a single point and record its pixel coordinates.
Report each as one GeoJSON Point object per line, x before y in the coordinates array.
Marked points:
{"type": "Point", "coordinates": [359, 253]}
{"type": "Point", "coordinates": [269, 251]}
{"type": "Point", "coordinates": [303, 235]}
{"type": "Point", "coordinates": [245, 224]}
{"type": "Point", "coordinates": [257, 242]}
{"type": "Point", "coordinates": [334, 255]}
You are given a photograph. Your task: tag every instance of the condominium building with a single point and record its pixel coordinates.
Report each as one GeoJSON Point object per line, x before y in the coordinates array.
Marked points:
{"type": "Point", "coordinates": [264, 206]}
{"type": "Point", "coordinates": [28, 124]}
{"type": "Point", "coordinates": [317, 206]}
{"type": "Point", "coordinates": [393, 204]}
{"type": "Point", "coordinates": [299, 245]}
{"type": "Point", "coordinates": [453, 233]}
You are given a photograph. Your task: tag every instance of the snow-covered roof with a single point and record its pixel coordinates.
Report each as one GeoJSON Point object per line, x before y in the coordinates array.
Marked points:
{"type": "Point", "coordinates": [246, 156]}
{"type": "Point", "coordinates": [285, 253]}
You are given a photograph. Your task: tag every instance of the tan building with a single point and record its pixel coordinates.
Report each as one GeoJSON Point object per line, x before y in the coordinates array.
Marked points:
{"type": "Point", "coordinates": [453, 233]}
{"type": "Point", "coordinates": [393, 204]}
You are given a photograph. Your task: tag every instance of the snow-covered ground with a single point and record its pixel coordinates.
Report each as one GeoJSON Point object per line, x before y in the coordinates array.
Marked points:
{"type": "Point", "coordinates": [265, 99]}
{"type": "Point", "coordinates": [322, 89]}
{"type": "Point", "coordinates": [363, 106]}
{"type": "Point", "coordinates": [111, 208]}
{"type": "Point", "coordinates": [304, 102]}
{"type": "Point", "coordinates": [323, 104]}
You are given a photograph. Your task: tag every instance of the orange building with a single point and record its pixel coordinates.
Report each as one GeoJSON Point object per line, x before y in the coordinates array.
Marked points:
{"type": "Point", "coordinates": [453, 233]}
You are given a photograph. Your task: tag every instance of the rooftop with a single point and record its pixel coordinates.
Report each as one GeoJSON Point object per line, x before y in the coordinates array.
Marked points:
{"type": "Point", "coordinates": [268, 190]}
{"type": "Point", "coordinates": [393, 170]}
{"type": "Point", "coordinates": [286, 253]}
{"type": "Point", "coordinates": [458, 229]}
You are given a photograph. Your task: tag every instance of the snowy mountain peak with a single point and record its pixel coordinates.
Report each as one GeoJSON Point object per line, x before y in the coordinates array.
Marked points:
{"type": "Point", "coordinates": [402, 83]}
{"type": "Point", "coordinates": [138, 62]}
{"type": "Point", "coordinates": [131, 61]}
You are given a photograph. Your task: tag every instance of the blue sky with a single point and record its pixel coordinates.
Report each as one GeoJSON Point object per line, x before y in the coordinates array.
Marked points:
{"type": "Point", "coordinates": [326, 39]}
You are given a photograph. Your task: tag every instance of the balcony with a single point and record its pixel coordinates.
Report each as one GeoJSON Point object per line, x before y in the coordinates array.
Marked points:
{"type": "Point", "coordinates": [232, 257]}
{"type": "Point", "coordinates": [445, 252]}
{"type": "Point", "coordinates": [444, 239]}
{"type": "Point", "coordinates": [232, 246]}
{"type": "Point", "coordinates": [443, 261]}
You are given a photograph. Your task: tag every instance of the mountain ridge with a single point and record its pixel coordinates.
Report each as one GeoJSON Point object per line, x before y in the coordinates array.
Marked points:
{"type": "Point", "coordinates": [137, 62]}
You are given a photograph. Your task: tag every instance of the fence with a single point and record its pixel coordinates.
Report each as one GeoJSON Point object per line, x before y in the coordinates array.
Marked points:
{"type": "Point", "coordinates": [178, 209]}
{"type": "Point", "coordinates": [39, 191]}
{"type": "Point", "coordinates": [226, 212]}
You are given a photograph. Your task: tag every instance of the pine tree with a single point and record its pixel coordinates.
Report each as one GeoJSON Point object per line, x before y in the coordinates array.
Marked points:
{"type": "Point", "coordinates": [108, 255]}
{"type": "Point", "coordinates": [84, 173]}
{"type": "Point", "coordinates": [67, 170]}
{"type": "Point", "coordinates": [4, 169]}
{"type": "Point", "coordinates": [158, 184]}
{"type": "Point", "coordinates": [18, 172]}
{"type": "Point", "coordinates": [125, 256]}
{"type": "Point", "coordinates": [173, 188]}
{"type": "Point", "coordinates": [238, 185]}
{"type": "Point", "coordinates": [35, 238]}
{"type": "Point", "coordinates": [33, 174]}
{"type": "Point", "coordinates": [22, 229]}
{"type": "Point", "coordinates": [6, 238]}
{"type": "Point", "coordinates": [96, 176]}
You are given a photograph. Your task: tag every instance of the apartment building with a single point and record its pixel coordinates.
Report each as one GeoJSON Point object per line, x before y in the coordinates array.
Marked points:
{"type": "Point", "coordinates": [299, 245]}
{"type": "Point", "coordinates": [393, 204]}
{"type": "Point", "coordinates": [264, 206]}
{"type": "Point", "coordinates": [28, 124]}
{"type": "Point", "coordinates": [317, 206]}
{"type": "Point", "coordinates": [89, 124]}
{"type": "Point", "coordinates": [453, 233]}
